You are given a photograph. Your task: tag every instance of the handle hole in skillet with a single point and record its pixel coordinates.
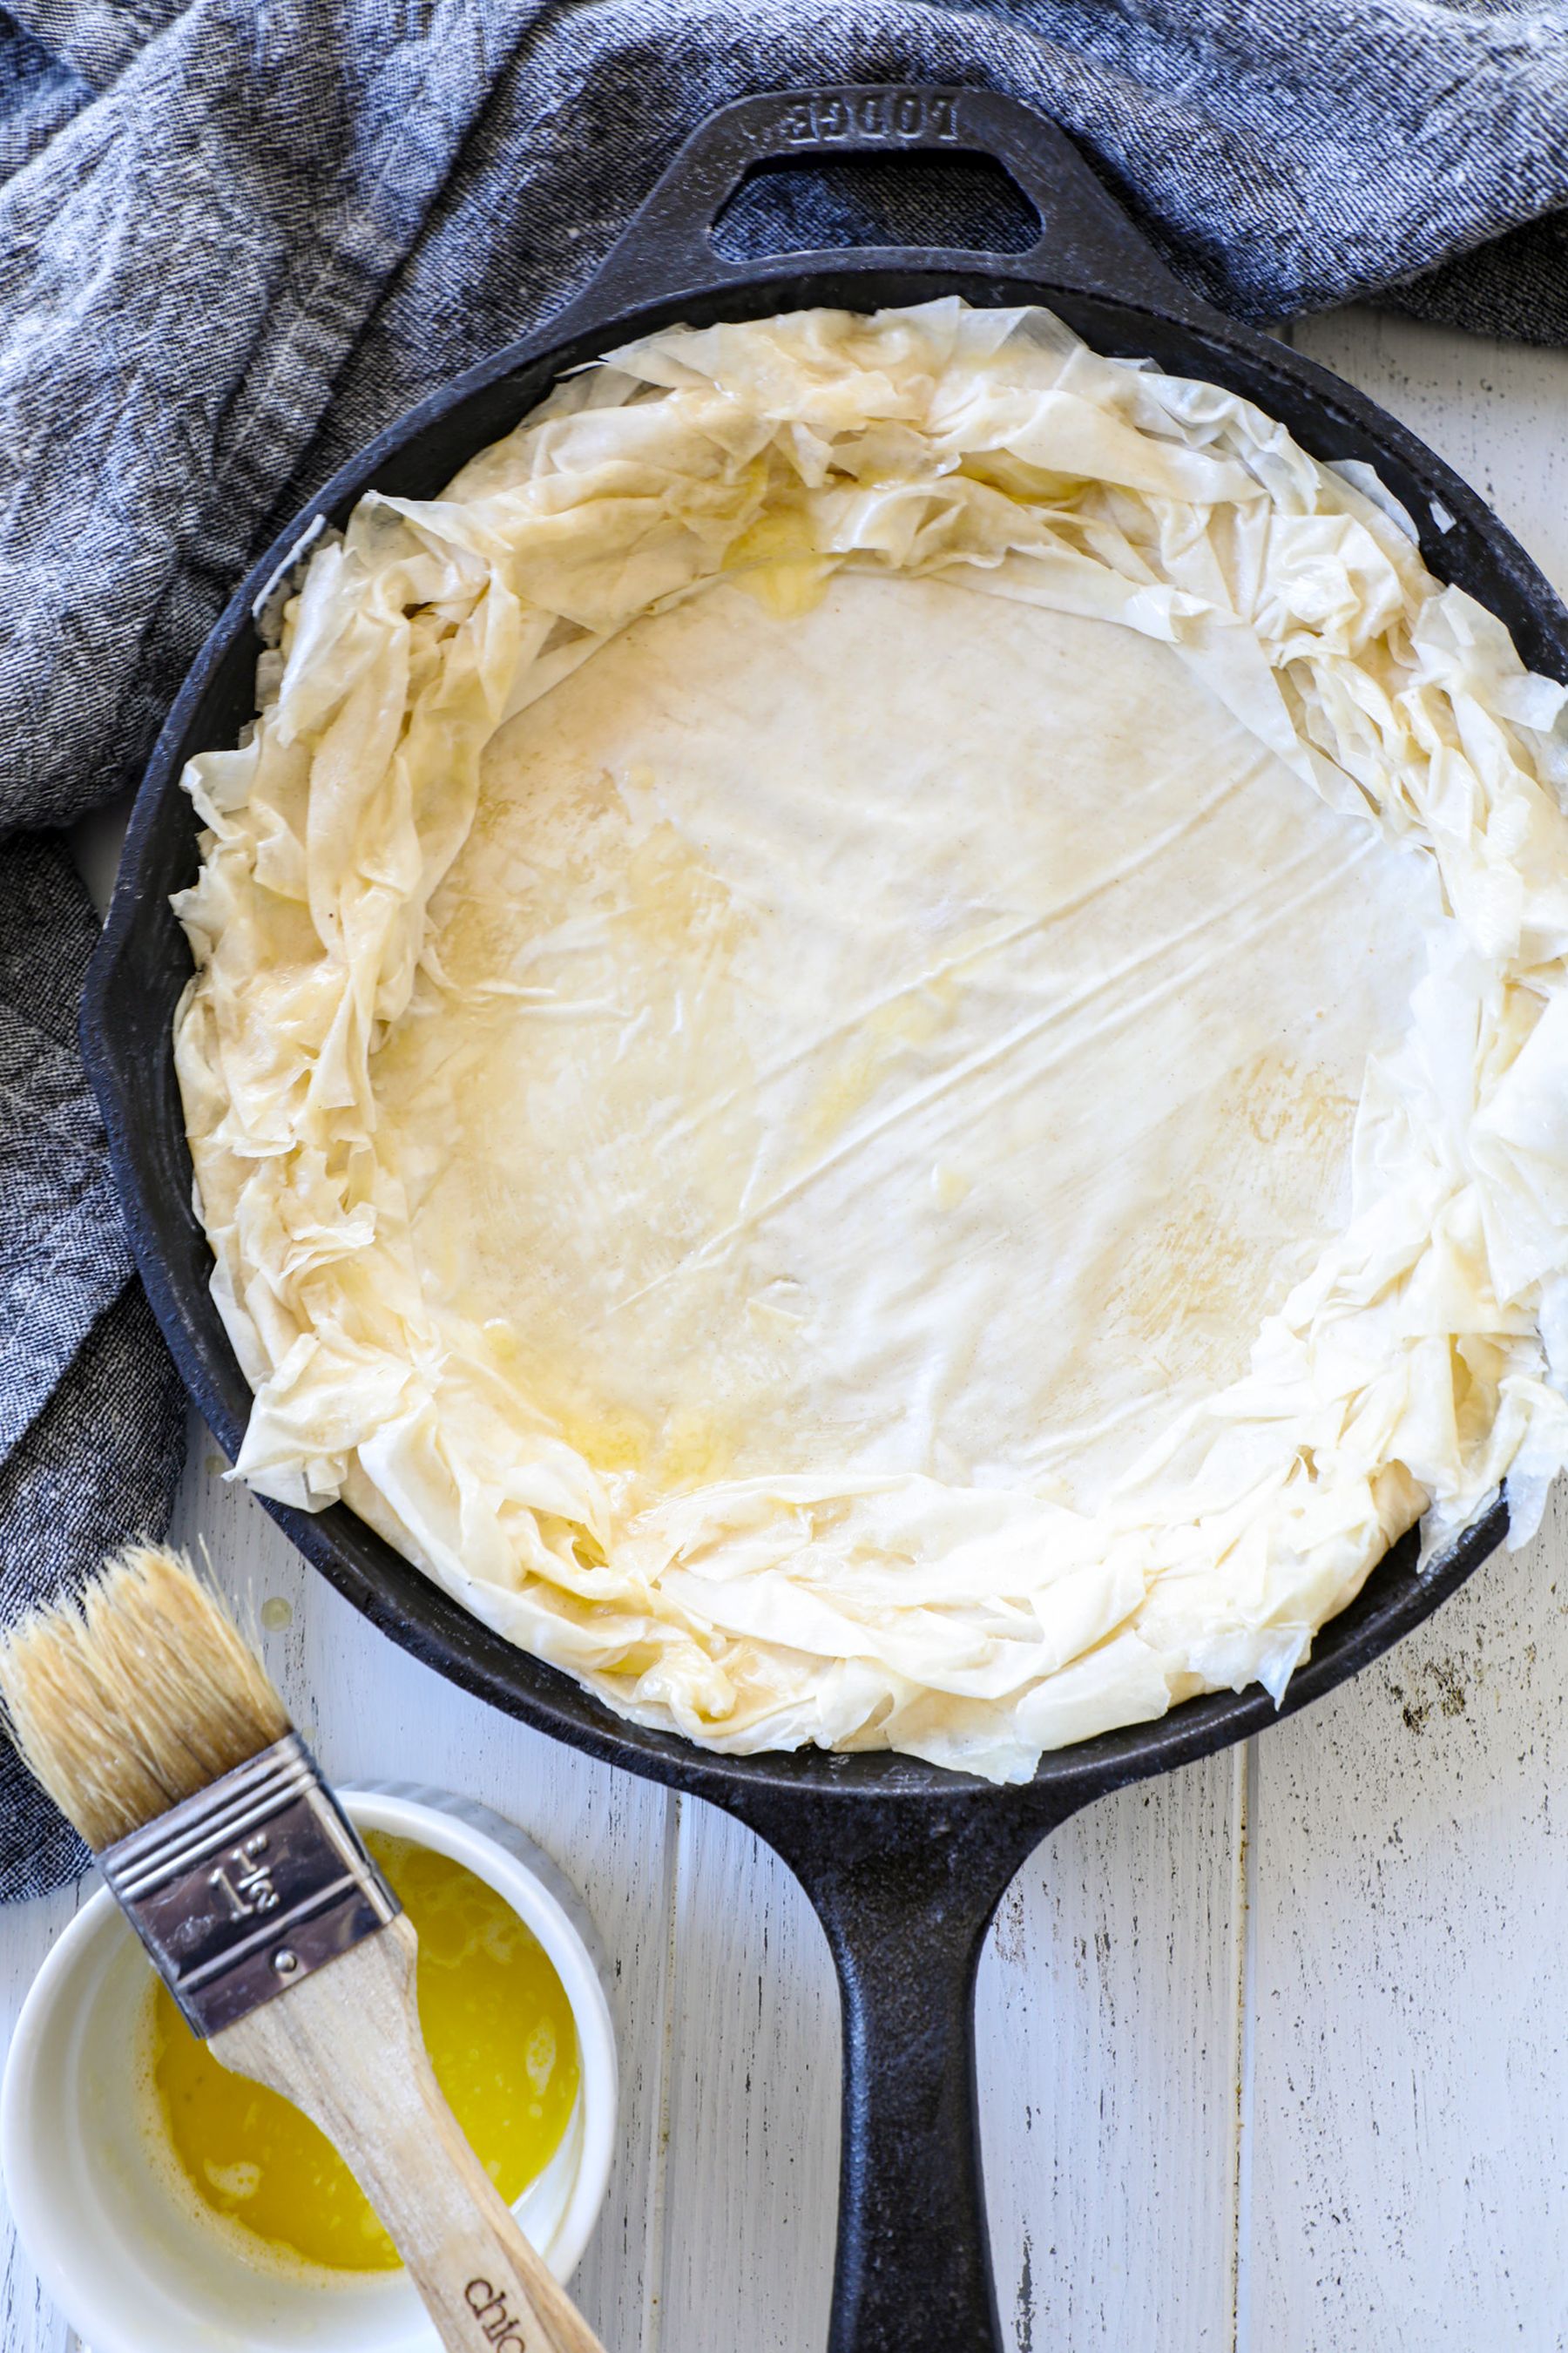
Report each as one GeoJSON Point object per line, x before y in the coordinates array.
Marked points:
{"type": "Point", "coordinates": [963, 202]}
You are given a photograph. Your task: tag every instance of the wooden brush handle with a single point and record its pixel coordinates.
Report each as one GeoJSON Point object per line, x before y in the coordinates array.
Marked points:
{"type": "Point", "coordinates": [344, 2044]}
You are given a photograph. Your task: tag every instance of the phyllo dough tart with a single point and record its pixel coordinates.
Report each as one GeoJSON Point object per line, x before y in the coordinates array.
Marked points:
{"type": "Point", "coordinates": [879, 1046]}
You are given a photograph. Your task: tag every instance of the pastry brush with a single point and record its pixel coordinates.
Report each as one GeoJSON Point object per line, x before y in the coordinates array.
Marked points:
{"type": "Point", "coordinates": [150, 1723]}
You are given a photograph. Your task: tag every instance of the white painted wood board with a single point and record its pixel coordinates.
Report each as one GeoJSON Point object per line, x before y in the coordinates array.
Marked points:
{"type": "Point", "coordinates": [1270, 2052]}
{"type": "Point", "coordinates": [1109, 2039]}
{"type": "Point", "coordinates": [1405, 2162]}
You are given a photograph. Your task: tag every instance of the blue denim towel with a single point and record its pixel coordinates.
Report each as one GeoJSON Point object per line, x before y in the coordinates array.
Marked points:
{"type": "Point", "coordinates": [236, 238]}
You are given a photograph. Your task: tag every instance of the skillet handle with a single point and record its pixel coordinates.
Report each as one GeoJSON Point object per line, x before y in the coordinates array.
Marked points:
{"type": "Point", "coordinates": [906, 1891]}
{"type": "Point", "coordinates": [1087, 242]}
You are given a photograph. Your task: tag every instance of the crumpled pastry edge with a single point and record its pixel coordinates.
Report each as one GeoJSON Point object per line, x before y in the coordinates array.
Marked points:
{"type": "Point", "coordinates": [1420, 1364]}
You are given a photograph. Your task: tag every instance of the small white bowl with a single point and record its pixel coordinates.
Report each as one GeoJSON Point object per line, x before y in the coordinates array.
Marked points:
{"type": "Point", "coordinates": [131, 2268]}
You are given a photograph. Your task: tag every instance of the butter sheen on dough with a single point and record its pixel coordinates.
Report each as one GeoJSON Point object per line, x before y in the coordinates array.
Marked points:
{"type": "Point", "coordinates": [877, 1043]}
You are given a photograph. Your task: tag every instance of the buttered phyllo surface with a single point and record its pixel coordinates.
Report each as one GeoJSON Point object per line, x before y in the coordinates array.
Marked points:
{"type": "Point", "coordinates": [877, 1043]}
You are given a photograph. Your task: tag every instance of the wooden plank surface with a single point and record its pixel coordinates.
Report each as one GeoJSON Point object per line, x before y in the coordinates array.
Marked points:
{"type": "Point", "coordinates": [28, 2320]}
{"type": "Point", "coordinates": [1109, 2045]}
{"type": "Point", "coordinates": [1407, 2160]}
{"type": "Point", "coordinates": [1270, 2053]}
{"type": "Point", "coordinates": [752, 2187]}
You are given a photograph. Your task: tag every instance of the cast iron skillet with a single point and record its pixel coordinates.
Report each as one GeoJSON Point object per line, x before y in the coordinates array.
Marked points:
{"type": "Point", "coordinates": [904, 1863]}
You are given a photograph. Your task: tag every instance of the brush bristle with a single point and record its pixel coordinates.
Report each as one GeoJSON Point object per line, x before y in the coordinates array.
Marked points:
{"type": "Point", "coordinates": [137, 1697]}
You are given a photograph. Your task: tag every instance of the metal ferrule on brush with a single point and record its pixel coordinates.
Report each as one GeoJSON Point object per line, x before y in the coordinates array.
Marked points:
{"type": "Point", "coordinates": [240, 1892]}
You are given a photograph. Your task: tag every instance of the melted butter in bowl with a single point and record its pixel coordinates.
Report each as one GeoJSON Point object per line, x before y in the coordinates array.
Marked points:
{"type": "Point", "coordinates": [500, 2030]}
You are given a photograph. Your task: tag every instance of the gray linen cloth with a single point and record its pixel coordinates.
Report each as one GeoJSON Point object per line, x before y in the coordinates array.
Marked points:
{"type": "Point", "coordinates": [238, 236]}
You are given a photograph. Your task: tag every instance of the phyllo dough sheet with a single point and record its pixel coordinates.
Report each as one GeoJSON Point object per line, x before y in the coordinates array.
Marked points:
{"type": "Point", "coordinates": [839, 1052]}
{"type": "Point", "coordinates": [876, 1045]}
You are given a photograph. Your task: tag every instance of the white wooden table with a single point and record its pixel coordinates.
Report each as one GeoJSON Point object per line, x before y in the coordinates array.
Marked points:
{"type": "Point", "coordinates": [1273, 2053]}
